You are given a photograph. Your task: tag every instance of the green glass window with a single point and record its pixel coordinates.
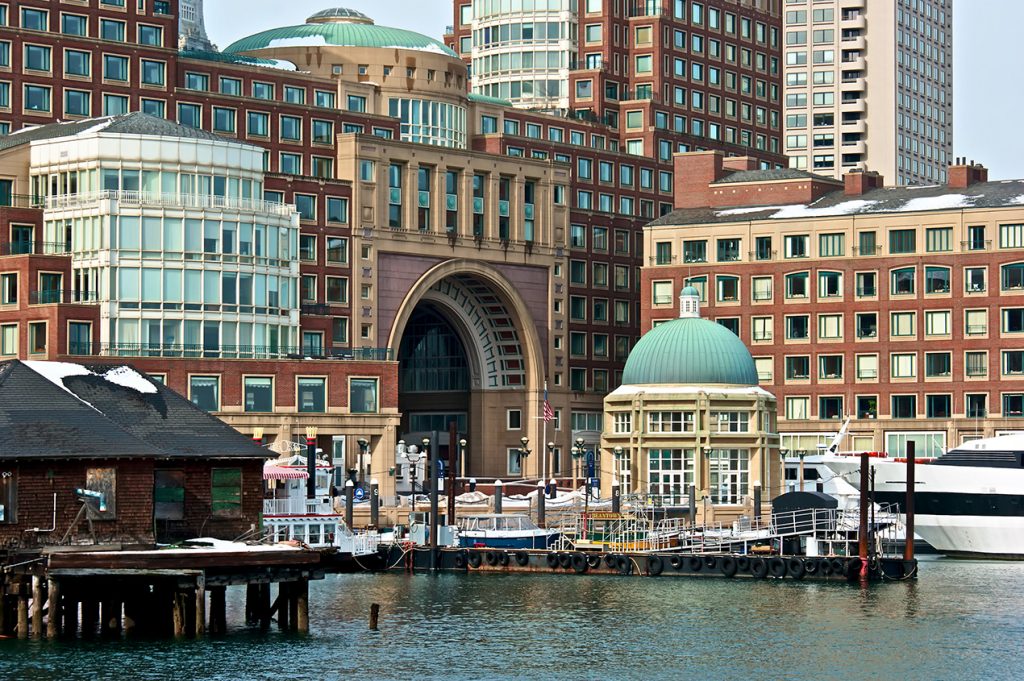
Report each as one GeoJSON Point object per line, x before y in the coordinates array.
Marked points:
{"type": "Point", "coordinates": [226, 492]}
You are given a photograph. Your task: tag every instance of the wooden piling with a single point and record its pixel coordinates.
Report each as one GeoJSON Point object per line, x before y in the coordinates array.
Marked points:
{"type": "Point", "coordinates": [37, 606]}
{"type": "Point", "coordinates": [131, 613]}
{"type": "Point", "coordinates": [293, 606]}
{"type": "Point", "coordinates": [200, 608]}
{"type": "Point", "coordinates": [302, 606]}
{"type": "Point", "coordinates": [252, 598]}
{"type": "Point", "coordinates": [70, 609]}
{"type": "Point", "coordinates": [283, 605]}
{"type": "Point", "coordinates": [110, 616]}
{"type": "Point", "coordinates": [264, 606]}
{"type": "Point", "coordinates": [22, 615]}
{"type": "Point", "coordinates": [54, 614]}
{"type": "Point", "coordinates": [178, 613]}
{"type": "Point", "coordinates": [374, 615]}
{"type": "Point", "coordinates": [3, 612]}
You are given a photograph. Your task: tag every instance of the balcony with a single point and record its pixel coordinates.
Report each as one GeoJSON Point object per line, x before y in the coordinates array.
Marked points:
{"type": "Point", "coordinates": [34, 248]}
{"type": "Point", "coordinates": [854, 43]}
{"type": "Point", "coordinates": [158, 200]}
{"type": "Point", "coordinates": [858, 126]}
{"type": "Point", "coordinates": [48, 297]}
{"type": "Point", "coordinates": [854, 63]}
{"type": "Point", "coordinates": [20, 201]}
{"type": "Point", "coordinates": [315, 309]}
{"type": "Point", "coordinates": [858, 22]}
{"type": "Point", "coordinates": [234, 351]}
{"type": "Point", "coordinates": [976, 245]}
{"type": "Point", "coordinates": [296, 507]}
{"type": "Point", "coordinates": [858, 147]}
{"type": "Point", "coordinates": [853, 106]}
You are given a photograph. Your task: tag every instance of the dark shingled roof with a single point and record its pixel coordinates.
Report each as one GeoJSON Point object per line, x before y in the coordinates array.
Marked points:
{"type": "Point", "coordinates": [135, 123]}
{"type": "Point", "coordinates": [997, 194]}
{"type": "Point", "coordinates": [770, 175]}
{"type": "Point", "coordinates": [89, 416]}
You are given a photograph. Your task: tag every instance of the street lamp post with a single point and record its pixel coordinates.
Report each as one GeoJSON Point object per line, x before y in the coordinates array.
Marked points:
{"type": "Point", "coordinates": [551, 456]}
{"type": "Point", "coordinates": [364, 449]}
{"type": "Point", "coordinates": [524, 452]}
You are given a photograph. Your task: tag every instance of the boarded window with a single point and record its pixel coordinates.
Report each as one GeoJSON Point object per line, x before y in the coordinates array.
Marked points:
{"type": "Point", "coordinates": [8, 497]}
{"type": "Point", "coordinates": [226, 492]}
{"type": "Point", "coordinates": [101, 493]}
{"type": "Point", "coordinates": [169, 495]}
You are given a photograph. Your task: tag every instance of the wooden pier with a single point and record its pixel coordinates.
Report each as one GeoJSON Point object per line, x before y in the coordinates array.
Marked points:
{"type": "Point", "coordinates": [179, 593]}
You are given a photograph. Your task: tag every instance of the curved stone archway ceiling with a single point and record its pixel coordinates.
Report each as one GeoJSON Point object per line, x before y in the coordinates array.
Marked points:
{"type": "Point", "coordinates": [494, 330]}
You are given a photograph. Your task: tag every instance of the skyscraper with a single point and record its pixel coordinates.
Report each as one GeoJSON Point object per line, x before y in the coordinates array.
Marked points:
{"type": "Point", "coordinates": [192, 28]}
{"type": "Point", "coordinates": [870, 85]}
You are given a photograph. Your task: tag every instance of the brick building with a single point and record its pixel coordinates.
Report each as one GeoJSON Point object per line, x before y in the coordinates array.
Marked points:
{"type": "Point", "coordinates": [900, 307]}
{"type": "Point", "coordinates": [432, 222]}
{"type": "Point", "coordinates": [104, 455]}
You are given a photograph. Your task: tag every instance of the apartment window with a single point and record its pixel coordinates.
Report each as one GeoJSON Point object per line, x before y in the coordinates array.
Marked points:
{"type": "Point", "coordinates": [204, 391]}
{"type": "Point", "coordinates": [258, 393]}
{"type": "Point", "coordinates": [976, 238]}
{"type": "Point", "coordinates": [902, 241]}
{"type": "Point", "coordinates": [976, 405]}
{"type": "Point", "coordinates": [867, 367]}
{"type": "Point", "coordinates": [151, 35]}
{"type": "Point", "coordinates": [937, 323]}
{"type": "Point", "coordinates": [867, 324]}
{"type": "Point", "coordinates": [938, 406]}
{"type": "Point", "coordinates": [762, 288]}
{"type": "Point", "coordinates": [37, 58]}
{"type": "Point", "coordinates": [798, 327]}
{"type": "Point", "coordinates": [663, 253]}
{"type": "Point", "coordinates": [291, 128]}
{"type": "Point", "coordinates": [830, 407]}
{"type": "Point", "coordinates": [903, 364]}
{"type": "Point", "coordinates": [337, 209]}
{"type": "Point", "coordinates": [262, 90]}
{"type": "Point", "coordinates": [153, 72]}
{"type": "Point", "coordinates": [904, 406]}
{"type": "Point", "coordinates": [798, 367]}
{"type": "Point", "coordinates": [761, 328]}
{"type": "Point", "coordinates": [77, 102]}
{"type": "Point", "coordinates": [938, 364]}
{"type": "Point", "coordinates": [34, 19]}
{"type": "Point", "coordinates": [796, 285]}
{"type": "Point", "coordinates": [763, 248]}
{"type": "Point", "coordinates": [695, 251]}
{"type": "Point", "coordinates": [796, 246]}
{"type": "Point", "coordinates": [902, 281]}
{"type": "Point", "coordinates": [670, 422]}
{"type": "Point", "coordinates": [1013, 276]}
{"type": "Point", "coordinates": [976, 322]}
{"type": "Point", "coordinates": [867, 284]}
{"type": "Point", "coordinates": [115, 68]}
{"type": "Point", "coordinates": [797, 407]}
{"type": "Point", "coordinates": [312, 394]}
{"type": "Point", "coordinates": [902, 324]}
{"type": "Point", "coordinates": [938, 239]}
{"type": "Point", "coordinates": [337, 290]}
{"type": "Point", "coordinates": [974, 279]}
{"type": "Point", "coordinates": [1013, 362]}
{"type": "Point", "coordinates": [226, 492]}
{"type": "Point", "coordinates": [866, 243]}
{"type": "Point", "coordinates": [976, 363]}
{"type": "Point", "coordinates": [661, 292]}
{"type": "Point", "coordinates": [830, 326]}
{"type": "Point", "coordinates": [73, 24]}
{"type": "Point", "coordinates": [728, 250]}
{"type": "Point", "coordinates": [728, 288]}
{"type": "Point", "coordinates": [77, 63]}
{"type": "Point", "coordinates": [37, 98]}
{"type": "Point", "coordinates": [230, 86]}
{"type": "Point", "coordinates": [936, 279]}
{"type": "Point", "coordinates": [223, 119]}
{"type": "Point", "coordinates": [258, 124]}
{"type": "Point", "coordinates": [831, 245]}
{"type": "Point", "coordinates": [1011, 236]}
{"type": "Point", "coordinates": [830, 284]}
{"type": "Point", "coordinates": [830, 366]}
{"type": "Point", "coordinates": [190, 115]}
{"type": "Point", "coordinates": [1013, 404]}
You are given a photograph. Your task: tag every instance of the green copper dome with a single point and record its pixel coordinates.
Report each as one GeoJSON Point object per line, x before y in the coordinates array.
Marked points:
{"type": "Point", "coordinates": [340, 27]}
{"type": "Point", "coordinates": [690, 351]}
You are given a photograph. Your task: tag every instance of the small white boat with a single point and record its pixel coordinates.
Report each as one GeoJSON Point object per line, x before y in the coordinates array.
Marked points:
{"type": "Point", "coordinates": [499, 531]}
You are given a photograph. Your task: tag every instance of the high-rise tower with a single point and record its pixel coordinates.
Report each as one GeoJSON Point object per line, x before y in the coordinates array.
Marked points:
{"type": "Point", "coordinates": [191, 27]}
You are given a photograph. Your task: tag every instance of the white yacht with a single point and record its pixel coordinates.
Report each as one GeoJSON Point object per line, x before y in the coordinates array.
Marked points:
{"type": "Point", "coordinates": [969, 502]}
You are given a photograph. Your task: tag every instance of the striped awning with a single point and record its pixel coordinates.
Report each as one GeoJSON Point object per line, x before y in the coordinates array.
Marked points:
{"type": "Point", "coordinates": [282, 473]}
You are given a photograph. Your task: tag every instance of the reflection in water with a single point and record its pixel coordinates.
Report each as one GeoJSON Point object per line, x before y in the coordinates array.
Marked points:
{"type": "Point", "coordinates": [962, 620]}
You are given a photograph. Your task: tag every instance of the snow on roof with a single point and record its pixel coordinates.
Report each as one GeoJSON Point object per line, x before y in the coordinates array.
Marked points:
{"type": "Point", "coordinates": [753, 391]}
{"type": "Point", "coordinates": [748, 209]}
{"type": "Point", "coordinates": [437, 49]}
{"type": "Point", "coordinates": [941, 202]}
{"type": "Point", "coordinates": [803, 211]}
{"type": "Point", "coordinates": [124, 376]}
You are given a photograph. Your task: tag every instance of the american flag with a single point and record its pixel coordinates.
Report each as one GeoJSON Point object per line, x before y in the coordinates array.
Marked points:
{"type": "Point", "coordinates": [549, 413]}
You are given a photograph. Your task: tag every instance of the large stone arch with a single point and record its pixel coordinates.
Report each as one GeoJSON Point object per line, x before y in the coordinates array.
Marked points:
{"type": "Point", "coordinates": [490, 315]}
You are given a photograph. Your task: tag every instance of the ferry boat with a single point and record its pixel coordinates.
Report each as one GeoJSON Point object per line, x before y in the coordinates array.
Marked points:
{"type": "Point", "coordinates": [969, 502]}
{"type": "Point", "coordinates": [500, 531]}
{"type": "Point", "coordinates": [288, 515]}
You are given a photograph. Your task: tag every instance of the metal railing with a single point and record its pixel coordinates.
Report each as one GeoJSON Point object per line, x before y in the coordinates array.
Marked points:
{"type": "Point", "coordinates": [20, 201]}
{"type": "Point", "coordinates": [34, 248]}
{"type": "Point", "coordinates": [296, 507]}
{"type": "Point", "coordinates": [161, 200]}
{"type": "Point", "coordinates": [53, 297]}
{"type": "Point", "coordinates": [232, 351]}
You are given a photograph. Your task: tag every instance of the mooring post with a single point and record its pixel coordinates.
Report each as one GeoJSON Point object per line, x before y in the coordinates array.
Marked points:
{"type": "Point", "coordinates": [540, 504]}
{"type": "Point", "coordinates": [616, 496]}
{"type": "Point", "coordinates": [498, 494]}
{"type": "Point", "coordinates": [178, 613]}
{"type": "Point", "coordinates": [302, 606]}
{"type": "Point", "coordinates": [757, 501]}
{"type": "Point", "coordinates": [865, 483]}
{"type": "Point", "coordinates": [374, 615]}
{"type": "Point", "coordinates": [53, 615]}
{"type": "Point", "coordinates": [374, 503]}
{"type": "Point", "coordinates": [908, 545]}
{"type": "Point", "coordinates": [22, 613]}
{"type": "Point", "coordinates": [37, 606]}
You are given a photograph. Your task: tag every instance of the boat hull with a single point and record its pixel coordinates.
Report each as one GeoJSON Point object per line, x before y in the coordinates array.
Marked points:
{"type": "Point", "coordinates": [962, 511]}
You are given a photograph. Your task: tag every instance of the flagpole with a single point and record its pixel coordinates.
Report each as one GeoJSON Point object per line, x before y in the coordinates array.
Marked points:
{"type": "Point", "coordinates": [543, 445]}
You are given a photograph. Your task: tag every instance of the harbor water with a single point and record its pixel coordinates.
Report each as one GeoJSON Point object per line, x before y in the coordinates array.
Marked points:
{"type": "Point", "coordinates": [960, 620]}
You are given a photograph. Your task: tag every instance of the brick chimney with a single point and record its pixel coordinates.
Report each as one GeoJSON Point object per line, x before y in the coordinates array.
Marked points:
{"type": "Point", "coordinates": [858, 182]}
{"type": "Point", "coordinates": [738, 163]}
{"type": "Point", "coordinates": [694, 171]}
{"type": "Point", "coordinates": [963, 174]}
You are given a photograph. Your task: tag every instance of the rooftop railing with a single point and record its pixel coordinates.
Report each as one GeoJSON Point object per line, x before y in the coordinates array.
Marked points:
{"type": "Point", "coordinates": [160, 200]}
{"type": "Point", "coordinates": [231, 351]}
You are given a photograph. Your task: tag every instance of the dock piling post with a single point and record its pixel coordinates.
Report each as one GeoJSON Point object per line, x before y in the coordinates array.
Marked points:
{"type": "Point", "coordinates": [70, 616]}
{"type": "Point", "coordinates": [757, 501]}
{"type": "Point", "coordinates": [178, 613]}
{"type": "Point", "coordinates": [37, 606]}
{"type": "Point", "coordinates": [251, 605]}
{"type": "Point", "coordinates": [540, 504]}
{"type": "Point", "coordinates": [90, 616]}
{"type": "Point", "coordinates": [374, 503]}
{"type": "Point", "coordinates": [908, 546]}
{"type": "Point", "coordinates": [302, 606]}
{"type": "Point", "coordinates": [283, 609]}
{"type": "Point", "coordinates": [53, 617]}
{"type": "Point", "coordinates": [22, 615]}
{"type": "Point", "coordinates": [293, 606]}
{"type": "Point", "coordinates": [692, 503]}
{"type": "Point", "coordinates": [862, 545]}
{"type": "Point", "coordinates": [264, 606]}
{"type": "Point", "coordinates": [616, 497]}
{"type": "Point", "coordinates": [349, 500]}
{"type": "Point", "coordinates": [499, 491]}
{"type": "Point", "coordinates": [218, 612]}
{"type": "Point", "coordinates": [374, 615]}
{"type": "Point", "coordinates": [200, 608]}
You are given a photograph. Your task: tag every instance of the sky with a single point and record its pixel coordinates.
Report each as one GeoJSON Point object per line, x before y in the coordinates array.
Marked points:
{"type": "Point", "coordinates": [987, 96]}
